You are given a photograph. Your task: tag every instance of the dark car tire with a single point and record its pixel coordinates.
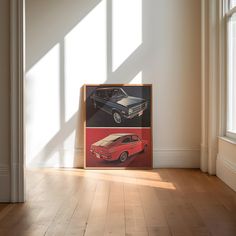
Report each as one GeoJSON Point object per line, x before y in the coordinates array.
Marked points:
{"type": "Point", "coordinates": [123, 156]}
{"type": "Point", "coordinates": [117, 117]}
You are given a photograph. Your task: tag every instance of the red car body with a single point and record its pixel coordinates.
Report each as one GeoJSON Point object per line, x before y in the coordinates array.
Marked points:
{"type": "Point", "coordinates": [118, 146]}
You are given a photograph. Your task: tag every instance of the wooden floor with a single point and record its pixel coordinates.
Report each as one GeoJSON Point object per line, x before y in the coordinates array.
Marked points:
{"type": "Point", "coordinates": [114, 202]}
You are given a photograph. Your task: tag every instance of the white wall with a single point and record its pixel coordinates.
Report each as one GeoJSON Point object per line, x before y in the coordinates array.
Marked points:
{"type": "Point", "coordinates": [153, 41]}
{"type": "Point", "coordinates": [4, 101]}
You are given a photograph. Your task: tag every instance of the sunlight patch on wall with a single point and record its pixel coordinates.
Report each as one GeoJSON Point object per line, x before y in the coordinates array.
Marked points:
{"type": "Point", "coordinates": [59, 158]}
{"type": "Point", "coordinates": [137, 79]}
{"type": "Point", "coordinates": [69, 142]}
{"type": "Point", "coordinates": [85, 56]}
{"type": "Point", "coordinates": [68, 151]}
{"type": "Point", "coordinates": [53, 160]}
{"type": "Point", "coordinates": [42, 102]}
{"type": "Point", "coordinates": [57, 154]}
{"type": "Point", "coordinates": [126, 29]}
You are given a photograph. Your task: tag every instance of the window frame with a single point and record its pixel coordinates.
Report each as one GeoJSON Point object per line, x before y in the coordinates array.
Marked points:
{"type": "Point", "coordinates": [229, 12]}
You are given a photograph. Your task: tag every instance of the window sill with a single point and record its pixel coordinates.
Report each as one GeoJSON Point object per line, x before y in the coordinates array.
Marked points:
{"type": "Point", "coordinates": [229, 140]}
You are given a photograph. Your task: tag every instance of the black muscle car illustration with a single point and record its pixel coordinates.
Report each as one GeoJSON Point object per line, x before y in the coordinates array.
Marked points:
{"type": "Point", "coordinates": [116, 102]}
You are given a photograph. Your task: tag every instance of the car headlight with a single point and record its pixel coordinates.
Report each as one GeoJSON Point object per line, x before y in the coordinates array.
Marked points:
{"type": "Point", "coordinates": [130, 111]}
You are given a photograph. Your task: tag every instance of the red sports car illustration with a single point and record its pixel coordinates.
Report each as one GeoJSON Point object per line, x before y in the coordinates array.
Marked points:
{"type": "Point", "coordinates": [118, 146]}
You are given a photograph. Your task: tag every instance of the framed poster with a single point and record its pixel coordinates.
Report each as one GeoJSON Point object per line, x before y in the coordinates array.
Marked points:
{"type": "Point", "coordinates": [118, 126]}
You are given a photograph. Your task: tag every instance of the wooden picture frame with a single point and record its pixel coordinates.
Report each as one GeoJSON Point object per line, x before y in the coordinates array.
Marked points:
{"type": "Point", "coordinates": [118, 126]}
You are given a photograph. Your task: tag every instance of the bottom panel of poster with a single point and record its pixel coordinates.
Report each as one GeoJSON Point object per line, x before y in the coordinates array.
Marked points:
{"type": "Point", "coordinates": [118, 148]}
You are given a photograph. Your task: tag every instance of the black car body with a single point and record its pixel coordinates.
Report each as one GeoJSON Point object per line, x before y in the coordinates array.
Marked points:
{"type": "Point", "coordinates": [116, 102]}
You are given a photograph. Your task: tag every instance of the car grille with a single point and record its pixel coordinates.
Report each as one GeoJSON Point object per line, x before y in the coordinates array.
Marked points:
{"type": "Point", "coordinates": [139, 108]}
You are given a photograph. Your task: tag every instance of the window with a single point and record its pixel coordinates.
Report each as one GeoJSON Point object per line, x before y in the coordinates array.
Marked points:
{"type": "Point", "coordinates": [109, 93]}
{"type": "Point", "coordinates": [135, 138]}
{"type": "Point", "coordinates": [118, 93]}
{"type": "Point", "coordinates": [99, 93]}
{"type": "Point", "coordinates": [232, 3]}
{"type": "Point", "coordinates": [104, 94]}
{"type": "Point", "coordinates": [127, 140]}
{"type": "Point", "coordinates": [231, 72]}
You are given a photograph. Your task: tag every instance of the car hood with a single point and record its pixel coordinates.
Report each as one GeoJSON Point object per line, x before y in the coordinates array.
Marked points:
{"type": "Point", "coordinates": [130, 101]}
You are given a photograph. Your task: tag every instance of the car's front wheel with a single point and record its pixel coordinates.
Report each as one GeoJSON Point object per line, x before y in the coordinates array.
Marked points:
{"type": "Point", "coordinates": [123, 156]}
{"type": "Point", "coordinates": [117, 117]}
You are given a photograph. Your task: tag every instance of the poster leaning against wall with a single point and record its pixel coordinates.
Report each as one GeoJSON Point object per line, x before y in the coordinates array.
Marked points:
{"type": "Point", "coordinates": [118, 126]}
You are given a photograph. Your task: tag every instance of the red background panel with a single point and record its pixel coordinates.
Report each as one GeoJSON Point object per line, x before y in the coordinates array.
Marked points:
{"type": "Point", "coordinates": [139, 160]}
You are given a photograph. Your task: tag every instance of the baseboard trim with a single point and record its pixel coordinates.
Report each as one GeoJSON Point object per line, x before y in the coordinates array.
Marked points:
{"type": "Point", "coordinates": [204, 158]}
{"type": "Point", "coordinates": [162, 158]}
{"type": "Point", "coordinates": [5, 183]}
{"type": "Point", "coordinates": [176, 158]}
{"type": "Point", "coordinates": [79, 157]}
{"type": "Point", "coordinates": [226, 171]}
{"type": "Point", "coordinates": [69, 158]}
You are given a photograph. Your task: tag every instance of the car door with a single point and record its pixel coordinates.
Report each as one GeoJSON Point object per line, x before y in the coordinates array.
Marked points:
{"type": "Point", "coordinates": [99, 98]}
{"type": "Point", "coordinates": [126, 145]}
{"type": "Point", "coordinates": [108, 104]}
{"type": "Point", "coordinates": [137, 144]}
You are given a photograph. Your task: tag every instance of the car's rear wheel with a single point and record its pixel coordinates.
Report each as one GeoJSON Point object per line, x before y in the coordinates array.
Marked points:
{"type": "Point", "coordinates": [117, 117]}
{"type": "Point", "coordinates": [123, 156]}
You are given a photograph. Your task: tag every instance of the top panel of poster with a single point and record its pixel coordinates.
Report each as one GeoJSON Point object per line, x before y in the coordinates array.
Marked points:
{"type": "Point", "coordinates": [118, 105]}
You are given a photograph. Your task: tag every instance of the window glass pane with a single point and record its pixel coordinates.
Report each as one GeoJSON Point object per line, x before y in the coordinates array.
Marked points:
{"type": "Point", "coordinates": [232, 75]}
{"type": "Point", "coordinates": [134, 138]}
{"type": "Point", "coordinates": [232, 3]}
{"type": "Point", "coordinates": [126, 140]}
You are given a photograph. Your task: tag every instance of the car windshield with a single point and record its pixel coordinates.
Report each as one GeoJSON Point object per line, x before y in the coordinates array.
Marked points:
{"type": "Point", "coordinates": [111, 138]}
{"type": "Point", "coordinates": [117, 93]}
{"type": "Point", "coordinates": [111, 93]}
